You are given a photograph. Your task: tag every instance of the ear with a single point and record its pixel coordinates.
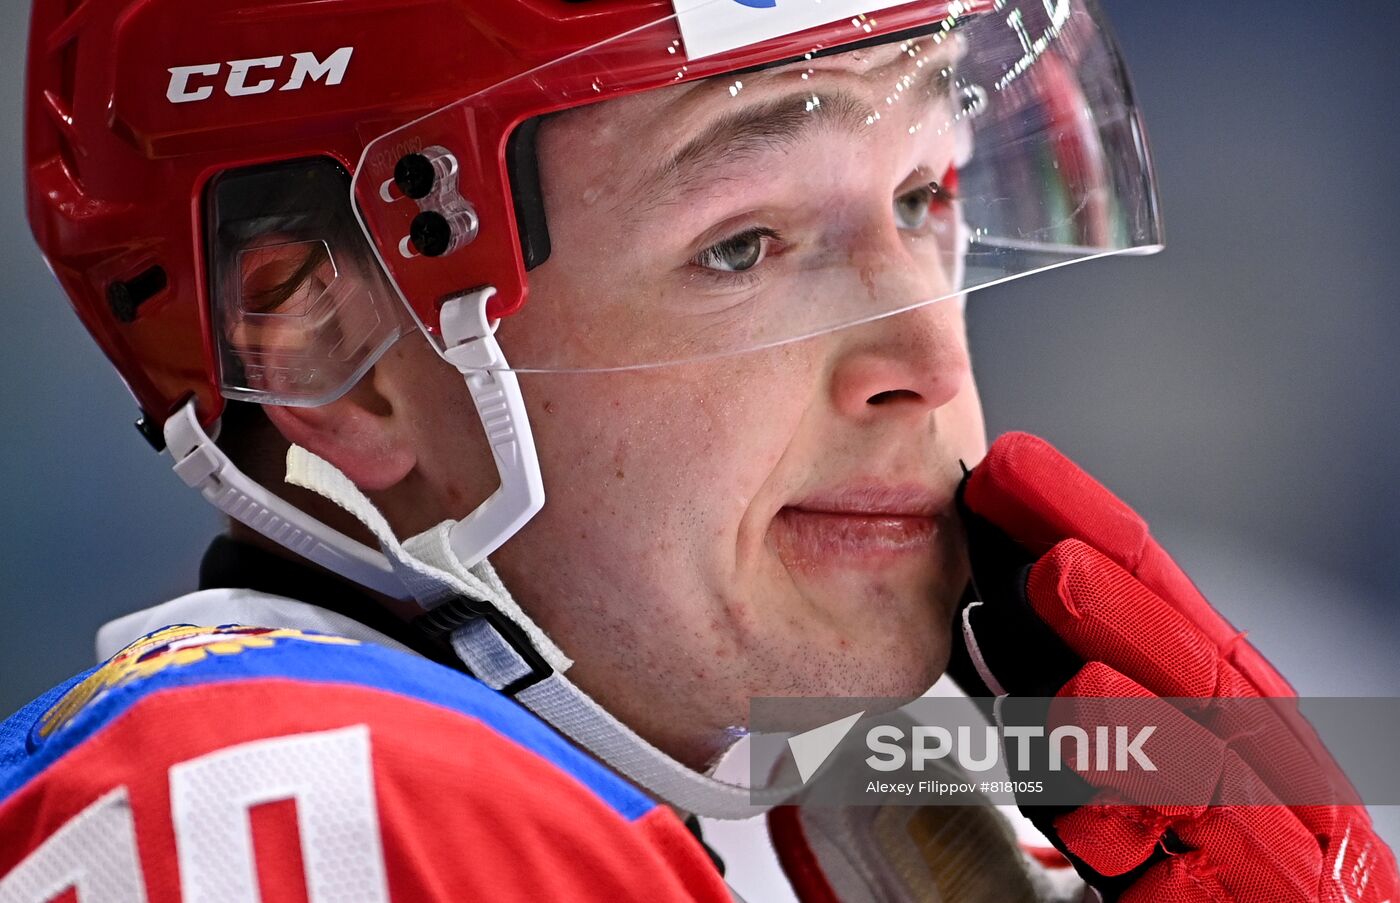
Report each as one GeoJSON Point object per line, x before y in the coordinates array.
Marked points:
{"type": "Point", "coordinates": [291, 304]}
{"type": "Point", "coordinates": [359, 433]}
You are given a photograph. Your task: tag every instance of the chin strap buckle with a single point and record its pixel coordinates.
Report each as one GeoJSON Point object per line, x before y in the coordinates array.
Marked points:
{"type": "Point", "coordinates": [463, 621]}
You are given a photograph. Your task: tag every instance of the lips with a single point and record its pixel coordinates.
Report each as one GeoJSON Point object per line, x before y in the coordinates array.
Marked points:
{"type": "Point", "coordinates": [861, 527]}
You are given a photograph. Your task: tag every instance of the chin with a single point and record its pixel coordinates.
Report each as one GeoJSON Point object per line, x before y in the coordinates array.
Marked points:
{"type": "Point", "coordinates": [916, 673]}
{"type": "Point", "coordinates": [872, 678]}
{"type": "Point", "coordinates": [900, 664]}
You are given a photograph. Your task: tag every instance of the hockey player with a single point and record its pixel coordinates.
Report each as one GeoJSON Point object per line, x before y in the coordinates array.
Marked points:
{"type": "Point", "coordinates": [579, 371]}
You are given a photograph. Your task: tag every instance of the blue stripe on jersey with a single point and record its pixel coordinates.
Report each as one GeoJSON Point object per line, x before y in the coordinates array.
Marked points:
{"type": "Point", "coordinates": [14, 730]}
{"type": "Point", "coordinates": [314, 662]}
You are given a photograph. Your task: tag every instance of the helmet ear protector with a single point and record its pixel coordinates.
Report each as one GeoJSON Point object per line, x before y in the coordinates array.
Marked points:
{"type": "Point", "coordinates": [300, 307]}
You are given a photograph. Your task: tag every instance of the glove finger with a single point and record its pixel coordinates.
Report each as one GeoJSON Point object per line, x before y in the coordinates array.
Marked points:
{"type": "Point", "coordinates": [1254, 852]}
{"type": "Point", "coordinates": [1113, 837]}
{"type": "Point", "coordinates": [1247, 852]}
{"type": "Point", "coordinates": [1259, 851]}
{"type": "Point", "coordinates": [1105, 615]}
{"type": "Point", "coordinates": [1120, 737]}
{"type": "Point", "coordinates": [1039, 497]}
{"type": "Point", "coordinates": [1174, 882]}
{"type": "Point", "coordinates": [1118, 832]}
{"type": "Point", "coordinates": [1178, 770]}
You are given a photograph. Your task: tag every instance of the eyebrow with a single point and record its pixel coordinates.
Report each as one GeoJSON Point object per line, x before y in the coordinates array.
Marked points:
{"type": "Point", "coordinates": [778, 123]}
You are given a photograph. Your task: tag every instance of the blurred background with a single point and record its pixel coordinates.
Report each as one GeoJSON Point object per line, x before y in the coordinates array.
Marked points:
{"type": "Point", "coordinates": [1241, 390]}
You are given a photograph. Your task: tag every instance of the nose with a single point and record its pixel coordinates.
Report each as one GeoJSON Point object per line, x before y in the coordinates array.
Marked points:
{"type": "Point", "coordinates": [913, 362]}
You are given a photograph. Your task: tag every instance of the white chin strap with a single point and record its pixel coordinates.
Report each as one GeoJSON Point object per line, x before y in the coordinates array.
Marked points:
{"type": "Point", "coordinates": [445, 568]}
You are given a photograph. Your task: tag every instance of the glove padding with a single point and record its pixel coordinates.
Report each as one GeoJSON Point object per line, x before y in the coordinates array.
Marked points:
{"type": "Point", "coordinates": [1080, 601]}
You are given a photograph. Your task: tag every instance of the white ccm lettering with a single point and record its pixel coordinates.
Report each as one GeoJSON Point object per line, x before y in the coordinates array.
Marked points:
{"type": "Point", "coordinates": [178, 90]}
{"type": "Point", "coordinates": [332, 69]}
{"type": "Point", "coordinates": [237, 84]}
{"type": "Point", "coordinates": [328, 774]}
{"type": "Point", "coordinates": [306, 66]}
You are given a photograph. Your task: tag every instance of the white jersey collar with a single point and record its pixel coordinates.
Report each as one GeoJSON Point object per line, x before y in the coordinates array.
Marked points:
{"type": "Point", "coordinates": [210, 607]}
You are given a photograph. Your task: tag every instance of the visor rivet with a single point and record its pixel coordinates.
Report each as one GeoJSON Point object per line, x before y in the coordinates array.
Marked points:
{"type": "Point", "coordinates": [430, 233]}
{"type": "Point", "coordinates": [415, 176]}
{"type": "Point", "coordinates": [434, 234]}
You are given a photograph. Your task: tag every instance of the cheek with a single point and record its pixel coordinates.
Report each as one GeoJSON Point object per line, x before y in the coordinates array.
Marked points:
{"type": "Point", "coordinates": [968, 424]}
{"type": "Point", "coordinates": [660, 466]}
{"type": "Point", "coordinates": [454, 462]}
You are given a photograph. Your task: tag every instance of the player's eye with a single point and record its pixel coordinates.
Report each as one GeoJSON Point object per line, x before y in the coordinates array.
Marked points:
{"type": "Point", "coordinates": [737, 253]}
{"type": "Point", "coordinates": [912, 208]}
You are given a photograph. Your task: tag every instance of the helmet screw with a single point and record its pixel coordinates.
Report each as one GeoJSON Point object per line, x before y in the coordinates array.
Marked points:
{"type": "Point", "coordinates": [414, 174]}
{"type": "Point", "coordinates": [434, 234]}
{"type": "Point", "coordinates": [418, 175]}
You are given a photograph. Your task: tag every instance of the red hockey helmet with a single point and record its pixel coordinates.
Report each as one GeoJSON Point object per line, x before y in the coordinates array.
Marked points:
{"type": "Point", "coordinates": [169, 146]}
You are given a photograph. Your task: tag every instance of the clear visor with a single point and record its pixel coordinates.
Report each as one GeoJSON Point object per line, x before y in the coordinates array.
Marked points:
{"type": "Point", "coordinates": [775, 203]}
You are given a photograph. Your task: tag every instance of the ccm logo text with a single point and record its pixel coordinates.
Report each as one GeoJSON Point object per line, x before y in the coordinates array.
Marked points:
{"type": "Point", "coordinates": [256, 75]}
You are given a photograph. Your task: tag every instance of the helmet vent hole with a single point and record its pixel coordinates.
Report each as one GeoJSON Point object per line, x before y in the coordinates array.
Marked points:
{"type": "Point", "coordinates": [68, 70]}
{"type": "Point", "coordinates": [60, 80]}
{"type": "Point", "coordinates": [125, 298]}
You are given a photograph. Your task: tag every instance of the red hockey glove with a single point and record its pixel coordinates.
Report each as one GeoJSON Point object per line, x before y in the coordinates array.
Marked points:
{"type": "Point", "coordinates": [1078, 600]}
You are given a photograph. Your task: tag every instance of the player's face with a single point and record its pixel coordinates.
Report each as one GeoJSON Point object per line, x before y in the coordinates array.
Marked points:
{"type": "Point", "coordinates": [774, 522]}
